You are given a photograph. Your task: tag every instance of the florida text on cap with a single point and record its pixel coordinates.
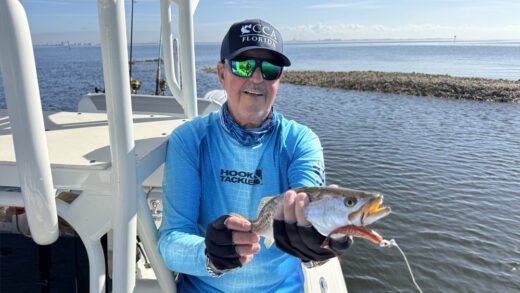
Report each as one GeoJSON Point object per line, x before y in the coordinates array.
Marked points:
{"type": "Point", "coordinates": [252, 34]}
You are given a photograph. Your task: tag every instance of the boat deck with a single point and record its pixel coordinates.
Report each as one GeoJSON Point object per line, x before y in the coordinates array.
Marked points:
{"type": "Point", "coordinates": [78, 143]}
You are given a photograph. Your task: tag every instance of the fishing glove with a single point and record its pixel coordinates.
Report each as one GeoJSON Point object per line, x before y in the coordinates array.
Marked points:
{"type": "Point", "coordinates": [305, 242]}
{"type": "Point", "coordinates": [220, 249]}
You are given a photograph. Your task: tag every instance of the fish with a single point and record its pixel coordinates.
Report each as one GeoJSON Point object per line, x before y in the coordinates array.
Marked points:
{"type": "Point", "coordinates": [332, 211]}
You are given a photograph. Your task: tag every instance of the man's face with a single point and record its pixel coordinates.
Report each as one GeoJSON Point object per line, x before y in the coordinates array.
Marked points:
{"type": "Point", "coordinates": [249, 98]}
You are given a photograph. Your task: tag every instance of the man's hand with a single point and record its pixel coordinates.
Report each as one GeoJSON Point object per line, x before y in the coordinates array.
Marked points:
{"type": "Point", "coordinates": [230, 243]}
{"type": "Point", "coordinates": [296, 236]}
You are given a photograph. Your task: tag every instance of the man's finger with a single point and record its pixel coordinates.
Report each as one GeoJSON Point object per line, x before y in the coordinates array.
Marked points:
{"type": "Point", "coordinates": [245, 237]}
{"type": "Point", "coordinates": [300, 202]}
{"type": "Point", "coordinates": [238, 224]}
{"type": "Point", "coordinates": [245, 250]}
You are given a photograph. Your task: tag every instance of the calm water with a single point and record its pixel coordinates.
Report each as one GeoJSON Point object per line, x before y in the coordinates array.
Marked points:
{"type": "Point", "coordinates": [449, 169]}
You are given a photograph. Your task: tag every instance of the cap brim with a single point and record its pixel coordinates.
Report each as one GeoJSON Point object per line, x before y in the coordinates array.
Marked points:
{"type": "Point", "coordinates": [285, 61]}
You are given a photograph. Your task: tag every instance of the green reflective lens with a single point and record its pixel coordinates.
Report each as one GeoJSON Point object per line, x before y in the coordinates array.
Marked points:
{"type": "Point", "coordinates": [243, 68]}
{"type": "Point", "coordinates": [246, 68]}
{"type": "Point", "coordinates": [270, 71]}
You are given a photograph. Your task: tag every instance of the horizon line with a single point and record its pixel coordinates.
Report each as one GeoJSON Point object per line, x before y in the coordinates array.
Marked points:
{"type": "Point", "coordinates": [327, 40]}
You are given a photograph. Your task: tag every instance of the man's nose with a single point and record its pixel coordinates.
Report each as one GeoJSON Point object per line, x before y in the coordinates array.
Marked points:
{"type": "Point", "coordinates": [257, 75]}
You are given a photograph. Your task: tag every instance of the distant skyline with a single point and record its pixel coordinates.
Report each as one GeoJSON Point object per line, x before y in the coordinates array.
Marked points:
{"type": "Point", "coordinates": [55, 21]}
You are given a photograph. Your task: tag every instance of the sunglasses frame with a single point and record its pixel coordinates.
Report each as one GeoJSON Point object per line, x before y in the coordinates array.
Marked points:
{"type": "Point", "coordinates": [258, 63]}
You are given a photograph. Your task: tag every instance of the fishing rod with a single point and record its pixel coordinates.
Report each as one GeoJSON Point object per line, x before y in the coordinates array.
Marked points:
{"type": "Point", "coordinates": [158, 71]}
{"type": "Point", "coordinates": [134, 84]}
{"type": "Point", "coordinates": [131, 38]}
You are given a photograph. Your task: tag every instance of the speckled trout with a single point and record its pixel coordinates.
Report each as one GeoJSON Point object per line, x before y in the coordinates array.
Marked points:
{"type": "Point", "coordinates": [331, 210]}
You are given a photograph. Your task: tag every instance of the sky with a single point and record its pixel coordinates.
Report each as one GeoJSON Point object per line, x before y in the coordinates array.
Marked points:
{"type": "Point", "coordinates": [54, 21]}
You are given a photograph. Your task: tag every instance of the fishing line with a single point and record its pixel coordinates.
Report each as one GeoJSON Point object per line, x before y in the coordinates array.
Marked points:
{"type": "Point", "coordinates": [392, 242]}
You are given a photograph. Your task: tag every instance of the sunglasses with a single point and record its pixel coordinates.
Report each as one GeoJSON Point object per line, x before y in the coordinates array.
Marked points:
{"type": "Point", "coordinates": [246, 68]}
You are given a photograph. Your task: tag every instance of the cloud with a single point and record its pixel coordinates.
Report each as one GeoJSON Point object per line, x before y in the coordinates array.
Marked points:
{"type": "Point", "coordinates": [321, 31]}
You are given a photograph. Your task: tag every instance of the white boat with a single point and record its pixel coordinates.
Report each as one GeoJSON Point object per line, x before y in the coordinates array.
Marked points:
{"type": "Point", "coordinates": [99, 169]}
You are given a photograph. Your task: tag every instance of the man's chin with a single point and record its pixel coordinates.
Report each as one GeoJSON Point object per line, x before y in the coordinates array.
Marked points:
{"type": "Point", "coordinates": [253, 119]}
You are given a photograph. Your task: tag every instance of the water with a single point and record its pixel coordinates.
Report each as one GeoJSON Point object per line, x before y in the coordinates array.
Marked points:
{"type": "Point", "coordinates": [449, 169]}
{"type": "Point", "coordinates": [469, 59]}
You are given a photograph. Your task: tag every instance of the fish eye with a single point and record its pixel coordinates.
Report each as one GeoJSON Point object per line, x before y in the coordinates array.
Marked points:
{"type": "Point", "coordinates": [350, 202]}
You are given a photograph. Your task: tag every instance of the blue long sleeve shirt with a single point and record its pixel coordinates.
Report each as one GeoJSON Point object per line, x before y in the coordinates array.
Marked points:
{"type": "Point", "coordinates": [209, 174]}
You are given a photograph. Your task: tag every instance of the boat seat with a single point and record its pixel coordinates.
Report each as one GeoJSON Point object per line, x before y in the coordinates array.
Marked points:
{"type": "Point", "coordinates": [164, 105]}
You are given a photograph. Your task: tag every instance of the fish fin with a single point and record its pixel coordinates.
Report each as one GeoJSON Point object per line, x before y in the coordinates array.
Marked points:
{"type": "Point", "coordinates": [263, 203]}
{"type": "Point", "coordinates": [268, 242]}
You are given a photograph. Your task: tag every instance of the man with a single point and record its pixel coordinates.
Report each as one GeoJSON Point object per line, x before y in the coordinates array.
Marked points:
{"type": "Point", "coordinates": [225, 163]}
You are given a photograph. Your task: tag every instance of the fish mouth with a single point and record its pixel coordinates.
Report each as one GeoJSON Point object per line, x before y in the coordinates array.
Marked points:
{"type": "Point", "coordinates": [370, 212]}
{"type": "Point", "coordinates": [373, 211]}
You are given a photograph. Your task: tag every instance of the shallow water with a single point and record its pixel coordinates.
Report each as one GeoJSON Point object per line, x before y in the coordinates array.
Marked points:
{"type": "Point", "coordinates": [449, 169]}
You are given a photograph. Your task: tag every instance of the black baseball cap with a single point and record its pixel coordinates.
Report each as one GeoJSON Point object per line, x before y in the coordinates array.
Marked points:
{"type": "Point", "coordinates": [252, 34]}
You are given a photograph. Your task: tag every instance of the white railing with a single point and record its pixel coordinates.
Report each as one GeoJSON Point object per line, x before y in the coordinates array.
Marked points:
{"type": "Point", "coordinates": [26, 118]}
{"type": "Point", "coordinates": [129, 199]}
{"type": "Point", "coordinates": [122, 147]}
{"type": "Point", "coordinates": [183, 86]}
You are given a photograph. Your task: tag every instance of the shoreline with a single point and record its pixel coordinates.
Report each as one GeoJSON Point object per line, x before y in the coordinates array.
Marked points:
{"type": "Point", "coordinates": [415, 84]}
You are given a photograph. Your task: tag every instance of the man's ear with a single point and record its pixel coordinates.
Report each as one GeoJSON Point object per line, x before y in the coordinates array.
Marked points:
{"type": "Point", "coordinates": [220, 72]}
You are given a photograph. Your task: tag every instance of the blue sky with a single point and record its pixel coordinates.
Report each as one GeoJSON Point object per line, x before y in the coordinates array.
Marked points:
{"type": "Point", "coordinates": [76, 20]}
